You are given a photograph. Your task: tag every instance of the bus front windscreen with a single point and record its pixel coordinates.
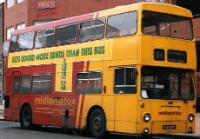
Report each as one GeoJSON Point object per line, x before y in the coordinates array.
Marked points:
{"type": "Point", "coordinates": [167, 83]}
{"type": "Point", "coordinates": [167, 25]}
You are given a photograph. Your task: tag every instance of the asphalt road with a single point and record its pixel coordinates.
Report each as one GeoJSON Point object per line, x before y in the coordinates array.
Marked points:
{"type": "Point", "coordinates": [10, 130]}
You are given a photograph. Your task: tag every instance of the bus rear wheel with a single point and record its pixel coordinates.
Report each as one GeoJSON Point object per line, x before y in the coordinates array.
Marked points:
{"type": "Point", "coordinates": [97, 123]}
{"type": "Point", "coordinates": [26, 117]}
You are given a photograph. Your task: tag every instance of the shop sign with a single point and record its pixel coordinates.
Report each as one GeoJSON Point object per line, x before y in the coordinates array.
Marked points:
{"type": "Point", "coordinates": [46, 4]}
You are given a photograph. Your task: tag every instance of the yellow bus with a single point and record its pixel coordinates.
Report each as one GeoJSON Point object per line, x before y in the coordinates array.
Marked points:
{"type": "Point", "coordinates": [129, 69]}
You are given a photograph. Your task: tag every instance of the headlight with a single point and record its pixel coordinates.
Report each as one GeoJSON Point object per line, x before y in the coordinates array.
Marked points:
{"type": "Point", "coordinates": [147, 117]}
{"type": "Point", "coordinates": [190, 117]}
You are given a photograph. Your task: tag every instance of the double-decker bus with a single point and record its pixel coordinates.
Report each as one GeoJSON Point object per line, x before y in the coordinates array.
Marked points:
{"type": "Point", "coordinates": [129, 69]}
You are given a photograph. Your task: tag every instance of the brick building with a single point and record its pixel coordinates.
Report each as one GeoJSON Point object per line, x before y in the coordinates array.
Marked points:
{"type": "Point", "coordinates": [1, 41]}
{"type": "Point", "coordinates": [21, 13]}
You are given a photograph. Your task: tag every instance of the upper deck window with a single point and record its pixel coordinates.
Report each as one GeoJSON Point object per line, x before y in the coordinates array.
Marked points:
{"type": "Point", "coordinates": [66, 34]}
{"type": "Point", "coordinates": [25, 41]}
{"type": "Point", "coordinates": [122, 24]}
{"type": "Point", "coordinates": [21, 42]}
{"type": "Point", "coordinates": [13, 44]}
{"type": "Point", "coordinates": [167, 25]}
{"type": "Point", "coordinates": [92, 30]}
{"type": "Point", "coordinates": [45, 38]}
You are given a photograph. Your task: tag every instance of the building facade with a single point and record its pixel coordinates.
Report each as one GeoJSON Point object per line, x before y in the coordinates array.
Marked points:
{"type": "Point", "coordinates": [23, 13]}
{"type": "Point", "coordinates": [1, 42]}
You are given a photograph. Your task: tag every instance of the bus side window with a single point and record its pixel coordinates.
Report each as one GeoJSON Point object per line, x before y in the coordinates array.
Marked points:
{"type": "Point", "coordinates": [92, 30]}
{"type": "Point", "coordinates": [66, 34]}
{"type": "Point", "coordinates": [89, 82]}
{"type": "Point", "coordinates": [26, 84]}
{"type": "Point", "coordinates": [42, 83]}
{"type": "Point", "coordinates": [16, 84]}
{"type": "Point", "coordinates": [125, 80]}
{"type": "Point", "coordinates": [45, 38]}
{"type": "Point", "coordinates": [25, 41]}
{"type": "Point", "coordinates": [13, 44]}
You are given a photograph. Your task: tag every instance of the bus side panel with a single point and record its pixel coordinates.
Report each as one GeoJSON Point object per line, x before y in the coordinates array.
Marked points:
{"type": "Point", "coordinates": [90, 100]}
{"type": "Point", "coordinates": [12, 111]}
{"type": "Point", "coordinates": [108, 97]}
{"type": "Point", "coordinates": [125, 113]}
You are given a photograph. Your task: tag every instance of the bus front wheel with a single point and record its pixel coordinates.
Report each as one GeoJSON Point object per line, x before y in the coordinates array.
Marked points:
{"type": "Point", "coordinates": [26, 117]}
{"type": "Point", "coordinates": [97, 123]}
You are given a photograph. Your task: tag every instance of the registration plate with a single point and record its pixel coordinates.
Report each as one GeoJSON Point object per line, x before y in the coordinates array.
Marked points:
{"type": "Point", "coordinates": [168, 127]}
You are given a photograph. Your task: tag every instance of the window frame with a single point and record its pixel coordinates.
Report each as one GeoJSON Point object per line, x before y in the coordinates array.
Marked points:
{"type": "Point", "coordinates": [178, 72]}
{"type": "Point", "coordinates": [88, 72]}
{"type": "Point", "coordinates": [21, 25]}
{"type": "Point", "coordinates": [33, 43]}
{"type": "Point", "coordinates": [67, 25]}
{"type": "Point", "coordinates": [38, 75]}
{"type": "Point", "coordinates": [30, 89]}
{"type": "Point", "coordinates": [19, 1]}
{"type": "Point", "coordinates": [103, 34]}
{"type": "Point", "coordinates": [134, 86]}
{"type": "Point", "coordinates": [10, 43]}
{"type": "Point", "coordinates": [45, 46]}
{"type": "Point", "coordinates": [9, 6]}
{"type": "Point", "coordinates": [13, 84]}
{"type": "Point", "coordinates": [158, 26]}
{"type": "Point", "coordinates": [136, 31]}
{"type": "Point", "coordinates": [10, 30]}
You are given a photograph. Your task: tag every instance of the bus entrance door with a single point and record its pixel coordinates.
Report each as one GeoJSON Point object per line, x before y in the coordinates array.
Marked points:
{"type": "Point", "coordinates": [15, 95]}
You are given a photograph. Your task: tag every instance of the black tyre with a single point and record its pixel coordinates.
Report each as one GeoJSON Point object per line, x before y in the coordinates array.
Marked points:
{"type": "Point", "coordinates": [26, 117]}
{"type": "Point", "coordinates": [97, 123]}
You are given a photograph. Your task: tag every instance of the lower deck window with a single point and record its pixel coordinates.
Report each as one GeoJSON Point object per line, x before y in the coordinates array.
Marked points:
{"type": "Point", "coordinates": [41, 84]}
{"type": "Point", "coordinates": [32, 83]}
{"type": "Point", "coordinates": [125, 80]}
{"type": "Point", "coordinates": [26, 84]}
{"type": "Point", "coordinates": [89, 82]}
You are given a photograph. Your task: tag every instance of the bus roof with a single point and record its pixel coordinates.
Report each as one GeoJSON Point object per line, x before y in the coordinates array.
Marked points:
{"type": "Point", "coordinates": [149, 6]}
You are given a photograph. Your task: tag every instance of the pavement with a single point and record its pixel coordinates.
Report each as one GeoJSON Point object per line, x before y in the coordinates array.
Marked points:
{"type": "Point", "coordinates": [1, 112]}
{"type": "Point", "coordinates": [195, 135]}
